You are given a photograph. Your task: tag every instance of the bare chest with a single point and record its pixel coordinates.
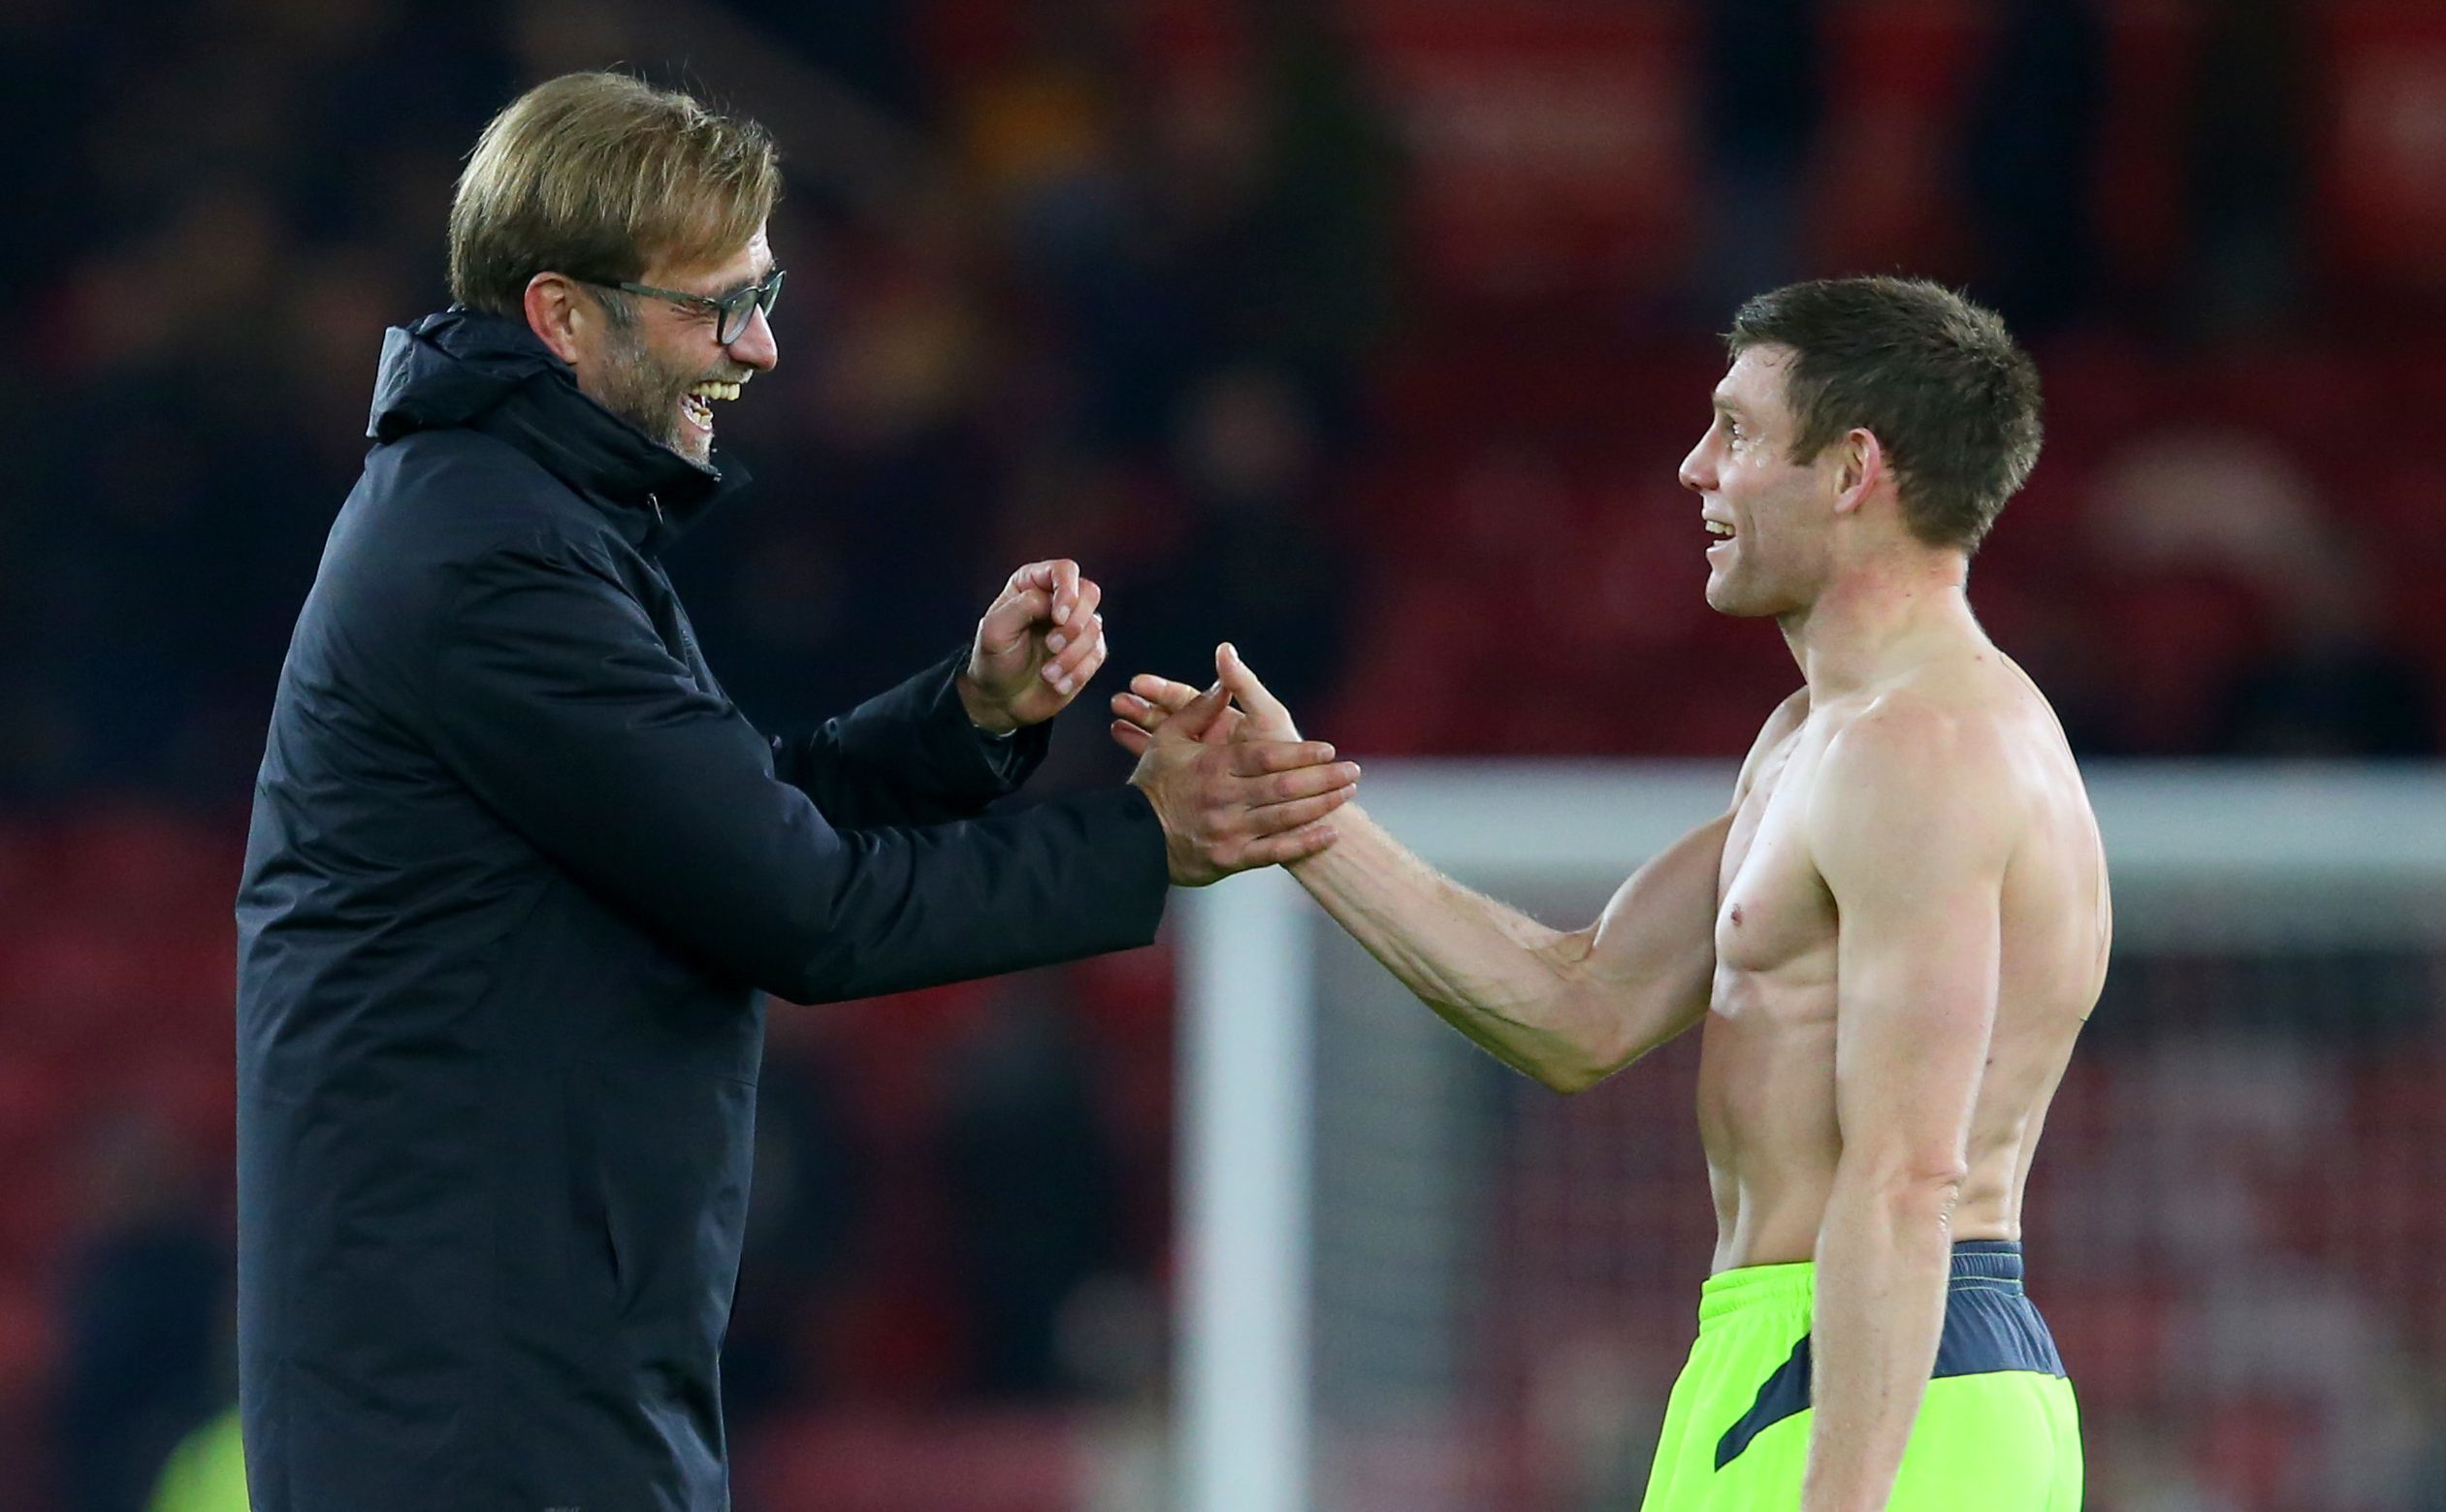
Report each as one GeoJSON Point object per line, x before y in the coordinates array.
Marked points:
{"type": "Point", "coordinates": [1766, 1058]}
{"type": "Point", "coordinates": [1771, 911]}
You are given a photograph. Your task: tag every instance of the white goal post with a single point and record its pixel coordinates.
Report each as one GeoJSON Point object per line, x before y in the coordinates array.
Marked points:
{"type": "Point", "coordinates": [2342, 855]}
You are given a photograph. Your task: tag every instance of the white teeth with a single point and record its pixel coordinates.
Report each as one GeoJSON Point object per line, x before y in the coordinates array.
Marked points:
{"type": "Point", "coordinates": [1718, 528]}
{"type": "Point", "coordinates": [712, 390]}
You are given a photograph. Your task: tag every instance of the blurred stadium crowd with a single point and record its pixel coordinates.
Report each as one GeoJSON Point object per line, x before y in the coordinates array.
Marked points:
{"type": "Point", "coordinates": [1368, 337]}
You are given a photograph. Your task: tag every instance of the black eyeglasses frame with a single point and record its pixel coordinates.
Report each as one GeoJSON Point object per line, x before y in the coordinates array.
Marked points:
{"type": "Point", "coordinates": [726, 309]}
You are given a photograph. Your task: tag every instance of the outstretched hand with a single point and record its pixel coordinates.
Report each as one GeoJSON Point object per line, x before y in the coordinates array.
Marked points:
{"type": "Point", "coordinates": [1229, 797]}
{"type": "Point", "coordinates": [1152, 700]}
{"type": "Point", "coordinates": [1038, 644]}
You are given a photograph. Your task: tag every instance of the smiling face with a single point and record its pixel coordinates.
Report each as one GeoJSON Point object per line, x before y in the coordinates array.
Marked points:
{"type": "Point", "coordinates": [662, 370]}
{"type": "Point", "coordinates": [1772, 519]}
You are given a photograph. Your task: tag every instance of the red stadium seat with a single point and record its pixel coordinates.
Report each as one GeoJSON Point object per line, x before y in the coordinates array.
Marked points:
{"type": "Point", "coordinates": [1009, 1462]}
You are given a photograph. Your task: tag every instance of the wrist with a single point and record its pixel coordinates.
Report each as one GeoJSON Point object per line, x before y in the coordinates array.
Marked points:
{"type": "Point", "coordinates": [985, 713]}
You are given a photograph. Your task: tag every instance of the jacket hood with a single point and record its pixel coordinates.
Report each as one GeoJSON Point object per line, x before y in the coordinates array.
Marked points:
{"type": "Point", "coordinates": [447, 368]}
{"type": "Point", "coordinates": [490, 373]}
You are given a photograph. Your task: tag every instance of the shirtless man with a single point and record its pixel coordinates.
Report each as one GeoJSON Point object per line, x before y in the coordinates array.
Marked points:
{"type": "Point", "coordinates": [1892, 936]}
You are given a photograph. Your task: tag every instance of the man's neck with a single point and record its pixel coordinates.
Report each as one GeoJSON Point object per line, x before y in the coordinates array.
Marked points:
{"type": "Point", "coordinates": [1878, 621]}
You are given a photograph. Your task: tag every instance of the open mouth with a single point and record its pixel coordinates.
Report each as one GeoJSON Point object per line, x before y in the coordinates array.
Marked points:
{"type": "Point", "coordinates": [696, 406]}
{"type": "Point", "coordinates": [1720, 530]}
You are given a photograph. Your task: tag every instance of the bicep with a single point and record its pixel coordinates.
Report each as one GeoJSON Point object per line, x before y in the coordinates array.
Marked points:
{"type": "Point", "coordinates": [1913, 855]}
{"type": "Point", "coordinates": [1651, 954]}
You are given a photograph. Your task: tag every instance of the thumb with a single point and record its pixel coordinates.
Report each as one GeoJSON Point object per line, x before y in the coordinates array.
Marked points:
{"type": "Point", "coordinates": [1009, 619]}
{"type": "Point", "coordinates": [1262, 706]}
{"type": "Point", "coordinates": [1194, 719]}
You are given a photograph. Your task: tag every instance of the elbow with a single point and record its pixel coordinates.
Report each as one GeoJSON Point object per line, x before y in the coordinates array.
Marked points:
{"type": "Point", "coordinates": [1913, 1193]}
{"type": "Point", "coordinates": [1598, 1038]}
{"type": "Point", "coordinates": [1585, 1061]}
{"type": "Point", "coordinates": [1567, 1077]}
{"type": "Point", "coordinates": [1577, 1074]}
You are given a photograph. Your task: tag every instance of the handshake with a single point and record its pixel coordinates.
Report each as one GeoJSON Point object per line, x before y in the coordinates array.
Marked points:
{"type": "Point", "coordinates": [1235, 787]}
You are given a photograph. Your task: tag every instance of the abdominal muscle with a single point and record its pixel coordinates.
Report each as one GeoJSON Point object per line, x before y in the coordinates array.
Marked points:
{"type": "Point", "coordinates": [1766, 1117]}
{"type": "Point", "coordinates": [1766, 1112]}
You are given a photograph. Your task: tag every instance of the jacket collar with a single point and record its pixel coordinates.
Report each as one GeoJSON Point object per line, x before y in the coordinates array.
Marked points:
{"type": "Point", "coordinates": [489, 373]}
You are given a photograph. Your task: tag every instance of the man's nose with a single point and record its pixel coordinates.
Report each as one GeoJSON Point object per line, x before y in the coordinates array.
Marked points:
{"type": "Point", "coordinates": [755, 348]}
{"type": "Point", "coordinates": [1697, 474]}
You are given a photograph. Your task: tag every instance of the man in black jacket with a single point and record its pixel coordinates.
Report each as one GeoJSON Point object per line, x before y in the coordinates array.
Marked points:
{"type": "Point", "coordinates": [519, 872]}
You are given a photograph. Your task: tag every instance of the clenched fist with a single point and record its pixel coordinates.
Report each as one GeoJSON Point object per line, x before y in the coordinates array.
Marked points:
{"type": "Point", "coordinates": [1036, 646]}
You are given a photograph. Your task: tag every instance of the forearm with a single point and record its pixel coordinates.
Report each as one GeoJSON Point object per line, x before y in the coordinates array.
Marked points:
{"type": "Point", "coordinates": [910, 755]}
{"type": "Point", "coordinates": [900, 910]}
{"type": "Point", "coordinates": [1883, 1257]}
{"type": "Point", "coordinates": [1501, 977]}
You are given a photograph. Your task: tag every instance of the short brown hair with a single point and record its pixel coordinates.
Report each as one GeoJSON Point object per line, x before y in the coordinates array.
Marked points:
{"type": "Point", "coordinates": [1935, 378]}
{"type": "Point", "coordinates": [597, 175]}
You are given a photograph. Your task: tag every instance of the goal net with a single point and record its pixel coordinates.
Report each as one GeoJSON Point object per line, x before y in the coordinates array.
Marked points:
{"type": "Point", "coordinates": [1415, 1281]}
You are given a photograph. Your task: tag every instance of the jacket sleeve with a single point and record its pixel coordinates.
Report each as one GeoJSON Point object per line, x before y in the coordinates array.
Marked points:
{"type": "Point", "coordinates": [556, 703]}
{"type": "Point", "coordinates": [909, 756]}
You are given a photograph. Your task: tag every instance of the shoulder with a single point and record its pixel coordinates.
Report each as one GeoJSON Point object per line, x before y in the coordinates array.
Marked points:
{"type": "Point", "coordinates": [1918, 773]}
{"type": "Point", "coordinates": [440, 503]}
{"type": "Point", "coordinates": [438, 517]}
{"type": "Point", "coordinates": [1962, 718]}
{"type": "Point", "coordinates": [453, 488]}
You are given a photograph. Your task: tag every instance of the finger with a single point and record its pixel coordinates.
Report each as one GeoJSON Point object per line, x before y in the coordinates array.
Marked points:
{"type": "Point", "coordinates": [1219, 729]}
{"type": "Point", "coordinates": [1245, 688]}
{"type": "Point", "coordinates": [1065, 591]}
{"type": "Point", "coordinates": [1276, 817]}
{"type": "Point", "coordinates": [1057, 579]}
{"type": "Point", "coordinates": [1131, 737]}
{"type": "Point", "coordinates": [1091, 663]}
{"type": "Point", "coordinates": [1074, 653]}
{"type": "Point", "coordinates": [1297, 846]}
{"type": "Point", "coordinates": [1257, 758]}
{"type": "Point", "coordinates": [1304, 782]}
{"type": "Point", "coordinates": [1079, 660]}
{"type": "Point", "coordinates": [1014, 614]}
{"type": "Point", "coordinates": [1190, 720]}
{"type": "Point", "coordinates": [1162, 691]}
{"type": "Point", "coordinates": [1137, 711]}
{"type": "Point", "coordinates": [1087, 597]}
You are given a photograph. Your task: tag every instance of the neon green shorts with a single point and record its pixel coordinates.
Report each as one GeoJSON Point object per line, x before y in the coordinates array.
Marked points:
{"type": "Point", "coordinates": [1998, 1430]}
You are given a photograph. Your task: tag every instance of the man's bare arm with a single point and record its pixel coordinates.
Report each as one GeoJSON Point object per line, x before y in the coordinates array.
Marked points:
{"type": "Point", "coordinates": [1566, 1008]}
{"type": "Point", "coordinates": [1569, 1007]}
{"type": "Point", "coordinates": [1910, 825]}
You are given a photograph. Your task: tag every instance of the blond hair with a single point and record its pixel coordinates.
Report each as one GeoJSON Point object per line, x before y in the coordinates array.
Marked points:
{"type": "Point", "coordinates": [597, 175]}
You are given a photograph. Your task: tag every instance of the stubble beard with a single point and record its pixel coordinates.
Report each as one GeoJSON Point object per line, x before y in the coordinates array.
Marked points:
{"type": "Point", "coordinates": [639, 389]}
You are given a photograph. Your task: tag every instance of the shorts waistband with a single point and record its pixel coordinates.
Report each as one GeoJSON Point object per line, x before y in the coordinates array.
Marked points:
{"type": "Point", "coordinates": [1994, 1265]}
{"type": "Point", "coordinates": [1990, 1327]}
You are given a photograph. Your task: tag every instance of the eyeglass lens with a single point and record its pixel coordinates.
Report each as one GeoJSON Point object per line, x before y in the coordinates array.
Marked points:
{"type": "Point", "coordinates": [735, 316]}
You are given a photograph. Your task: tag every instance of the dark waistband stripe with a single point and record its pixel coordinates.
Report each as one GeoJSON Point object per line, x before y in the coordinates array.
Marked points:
{"type": "Point", "coordinates": [1990, 1326]}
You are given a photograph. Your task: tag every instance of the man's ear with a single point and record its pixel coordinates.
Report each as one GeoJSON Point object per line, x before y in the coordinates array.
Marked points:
{"type": "Point", "coordinates": [555, 312]}
{"type": "Point", "coordinates": [1859, 467]}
